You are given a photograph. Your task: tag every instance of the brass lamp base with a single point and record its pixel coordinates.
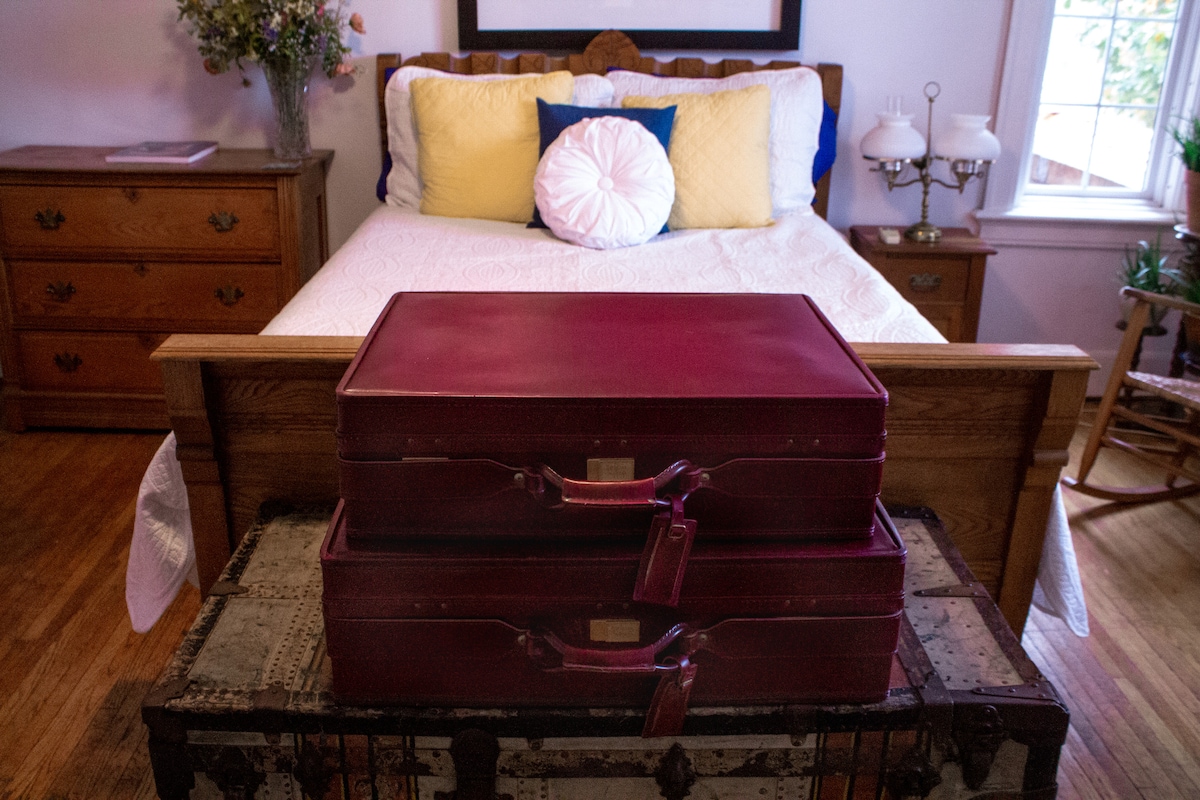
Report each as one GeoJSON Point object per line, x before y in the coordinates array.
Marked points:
{"type": "Point", "coordinates": [924, 232]}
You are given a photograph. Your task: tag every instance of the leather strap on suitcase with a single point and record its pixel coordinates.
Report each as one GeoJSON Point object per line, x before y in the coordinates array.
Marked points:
{"type": "Point", "coordinates": [669, 542]}
{"type": "Point", "coordinates": [668, 706]}
{"type": "Point", "coordinates": [660, 573]}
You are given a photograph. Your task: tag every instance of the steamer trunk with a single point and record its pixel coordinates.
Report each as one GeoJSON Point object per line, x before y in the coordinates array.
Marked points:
{"type": "Point", "coordinates": [245, 709]}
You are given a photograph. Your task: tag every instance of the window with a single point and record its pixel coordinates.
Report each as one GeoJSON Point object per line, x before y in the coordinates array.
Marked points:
{"type": "Point", "coordinates": [1098, 120]}
{"type": "Point", "coordinates": [1090, 92]}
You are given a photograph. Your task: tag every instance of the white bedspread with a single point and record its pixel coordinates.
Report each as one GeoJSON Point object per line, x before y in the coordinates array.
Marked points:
{"type": "Point", "coordinates": [397, 250]}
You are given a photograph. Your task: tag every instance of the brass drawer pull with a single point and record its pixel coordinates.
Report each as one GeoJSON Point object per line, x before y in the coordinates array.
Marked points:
{"type": "Point", "coordinates": [50, 219]}
{"type": "Point", "coordinates": [223, 221]}
{"type": "Point", "coordinates": [60, 291]}
{"type": "Point", "coordinates": [68, 362]}
{"type": "Point", "coordinates": [925, 282]}
{"type": "Point", "coordinates": [229, 295]}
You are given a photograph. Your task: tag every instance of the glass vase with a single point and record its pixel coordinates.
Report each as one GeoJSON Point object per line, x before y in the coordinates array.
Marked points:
{"type": "Point", "coordinates": [288, 81]}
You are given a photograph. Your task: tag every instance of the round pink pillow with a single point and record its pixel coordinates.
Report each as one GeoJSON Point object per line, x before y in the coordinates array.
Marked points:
{"type": "Point", "coordinates": [605, 182]}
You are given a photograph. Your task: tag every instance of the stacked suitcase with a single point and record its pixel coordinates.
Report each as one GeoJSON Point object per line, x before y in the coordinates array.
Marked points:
{"type": "Point", "coordinates": [657, 501]}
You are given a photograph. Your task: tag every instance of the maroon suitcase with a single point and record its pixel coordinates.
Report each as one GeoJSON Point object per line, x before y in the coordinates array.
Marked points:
{"type": "Point", "coordinates": [535, 414]}
{"type": "Point", "coordinates": [494, 623]}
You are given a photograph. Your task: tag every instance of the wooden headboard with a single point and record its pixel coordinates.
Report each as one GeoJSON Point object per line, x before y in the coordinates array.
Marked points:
{"type": "Point", "coordinates": [610, 49]}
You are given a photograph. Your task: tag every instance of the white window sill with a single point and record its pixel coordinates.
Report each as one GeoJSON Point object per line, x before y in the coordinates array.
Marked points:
{"type": "Point", "coordinates": [1084, 209]}
{"type": "Point", "coordinates": [1070, 222]}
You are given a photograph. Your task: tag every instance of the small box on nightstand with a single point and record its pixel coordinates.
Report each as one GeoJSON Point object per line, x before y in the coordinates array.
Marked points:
{"type": "Point", "coordinates": [944, 280]}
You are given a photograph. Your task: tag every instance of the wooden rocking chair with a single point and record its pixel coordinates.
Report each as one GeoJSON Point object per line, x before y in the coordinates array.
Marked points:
{"type": "Point", "coordinates": [1177, 439]}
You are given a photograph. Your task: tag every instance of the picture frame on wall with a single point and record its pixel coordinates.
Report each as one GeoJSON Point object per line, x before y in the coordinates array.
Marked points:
{"type": "Point", "coordinates": [651, 24]}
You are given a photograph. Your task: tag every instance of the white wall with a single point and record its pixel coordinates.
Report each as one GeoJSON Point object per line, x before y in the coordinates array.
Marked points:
{"type": "Point", "coordinates": [1056, 282]}
{"type": "Point", "coordinates": [125, 70]}
{"type": "Point", "coordinates": [120, 71]}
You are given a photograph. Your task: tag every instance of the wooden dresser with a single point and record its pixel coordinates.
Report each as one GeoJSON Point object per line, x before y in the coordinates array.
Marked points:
{"type": "Point", "coordinates": [103, 261]}
{"type": "Point", "coordinates": [944, 280]}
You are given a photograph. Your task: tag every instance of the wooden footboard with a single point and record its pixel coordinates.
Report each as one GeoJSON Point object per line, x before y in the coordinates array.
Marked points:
{"type": "Point", "coordinates": [979, 433]}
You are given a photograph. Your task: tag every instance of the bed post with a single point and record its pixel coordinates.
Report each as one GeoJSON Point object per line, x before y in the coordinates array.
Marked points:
{"type": "Point", "coordinates": [1049, 455]}
{"type": "Point", "coordinates": [194, 447]}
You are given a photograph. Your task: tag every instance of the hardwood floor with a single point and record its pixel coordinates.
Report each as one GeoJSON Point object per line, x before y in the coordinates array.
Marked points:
{"type": "Point", "coordinates": [73, 673]}
{"type": "Point", "coordinates": [1133, 685]}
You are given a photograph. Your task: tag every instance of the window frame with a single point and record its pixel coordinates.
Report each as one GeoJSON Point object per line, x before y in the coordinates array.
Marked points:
{"type": "Point", "coordinates": [1007, 190]}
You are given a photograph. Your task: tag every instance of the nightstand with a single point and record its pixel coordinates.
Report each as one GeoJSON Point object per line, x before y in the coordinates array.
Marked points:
{"type": "Point", "coordinates": [943, 280]}
{"type": "Point", "coordinates": [103, 261]}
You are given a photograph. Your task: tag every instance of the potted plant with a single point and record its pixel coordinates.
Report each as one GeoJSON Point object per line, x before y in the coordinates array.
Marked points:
{"type": "Point", "coordinates": [1146, 268]}
{"type": "Point", "coordinates": [1188, 138]}
{"type": "Point", "coordinates": [1185, 284]}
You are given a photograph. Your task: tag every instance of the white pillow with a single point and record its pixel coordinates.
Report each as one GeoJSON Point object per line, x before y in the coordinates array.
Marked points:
{"type": "Point", "coordinates": [605, 182]}
{"type": "Point", "coordinates": [404, 180]}
{"type": "Point", "coordinates": [797, 104]}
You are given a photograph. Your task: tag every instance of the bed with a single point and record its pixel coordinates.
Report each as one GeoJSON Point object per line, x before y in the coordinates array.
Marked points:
{"type": "Point", "coordinates": [979, 433]}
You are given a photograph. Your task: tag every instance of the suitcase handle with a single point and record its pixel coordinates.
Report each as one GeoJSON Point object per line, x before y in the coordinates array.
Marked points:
{"type": "Point", "coordinates": [668, 706]}
{"type": "Point", "coordinates": [642, 659]}
{"type": "Point", "coordinates": [643, 492]}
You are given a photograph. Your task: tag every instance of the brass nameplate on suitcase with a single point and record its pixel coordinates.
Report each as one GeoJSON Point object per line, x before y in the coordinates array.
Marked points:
{"type": "Point", "coordinates": [610, 469]}
{"type": "Point", "coordinates": [615, 630]}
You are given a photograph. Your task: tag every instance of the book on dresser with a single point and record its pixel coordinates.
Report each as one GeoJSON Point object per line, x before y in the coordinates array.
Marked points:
{"type": "Point", "coordinates": [162, 153]}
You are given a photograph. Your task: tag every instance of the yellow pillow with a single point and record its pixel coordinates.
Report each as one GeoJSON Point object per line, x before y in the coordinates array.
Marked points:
{"type": "Point", "coordinates": [477, 143]}
{"type": "Point", "coordinates": [719, 151]}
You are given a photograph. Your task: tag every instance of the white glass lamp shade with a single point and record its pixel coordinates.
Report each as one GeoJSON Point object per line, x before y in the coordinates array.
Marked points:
{"type": "Point", "coordinates": [893, 139]}
{"type": "Point", "coordinates": [968, 139]}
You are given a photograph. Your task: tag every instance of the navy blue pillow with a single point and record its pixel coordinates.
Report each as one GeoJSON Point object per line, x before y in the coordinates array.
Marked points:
{"type": "Point", "coordinates": [826, 144]}
{"type": "Point", "coordinates": [554, 118]}
{"type": "Point", "coordinates": [381, 184]}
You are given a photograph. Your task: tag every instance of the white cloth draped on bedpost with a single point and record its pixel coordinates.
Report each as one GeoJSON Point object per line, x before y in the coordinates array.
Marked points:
{"type": "Point", "coordinates": [397, 250]}
{"type": "Point", "coordinates": [1058, 590]}
{"type": "Point", "coordinates": [162, 555]}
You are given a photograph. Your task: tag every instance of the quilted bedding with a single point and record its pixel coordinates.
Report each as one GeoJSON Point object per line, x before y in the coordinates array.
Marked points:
{"type": "Point", "coordinates": [396, 250]}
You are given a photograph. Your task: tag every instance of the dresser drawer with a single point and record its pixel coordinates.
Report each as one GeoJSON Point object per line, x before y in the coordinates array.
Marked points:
{"type": "Point", "coordinates": [134, 292]}
{"type": "Point", "coordinates": [70, 361]}
{"type": "Point", "coordinates": [927, 280]}
{"type": "Point", "coordinates": [149, 219]}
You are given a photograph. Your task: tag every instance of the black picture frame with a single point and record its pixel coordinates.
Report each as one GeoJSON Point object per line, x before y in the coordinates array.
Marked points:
{"type": "Point", "coordinates": [786, 38]}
